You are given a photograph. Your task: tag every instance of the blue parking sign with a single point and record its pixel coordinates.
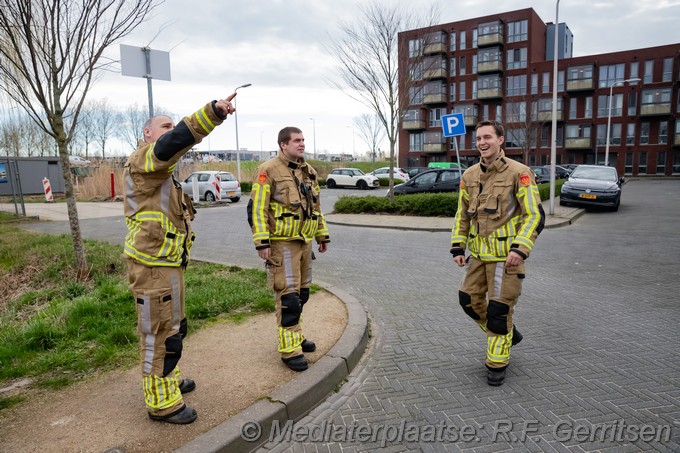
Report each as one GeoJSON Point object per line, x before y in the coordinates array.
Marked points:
{"type": "Point", "coordinates": [453, 125]}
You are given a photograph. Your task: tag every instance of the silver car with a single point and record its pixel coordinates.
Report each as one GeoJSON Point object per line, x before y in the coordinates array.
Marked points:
{"type": "Point", "coordinates": [208, 184]}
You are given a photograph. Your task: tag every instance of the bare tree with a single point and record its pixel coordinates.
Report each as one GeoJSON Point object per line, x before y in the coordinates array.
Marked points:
{"type": "Point", "coordinates": [84, 135]}
{"type": "Point", "coordinates": [524, 121]}
{"type": "Point", "coordinates": [367, 53]}
{"type": "Point", "coordinates": [131, 122]}
{"type": "Point", "coordinates": [370, 130]}
{"type": "Point", "coordinates": [103, 122]}
{"type": "Point", "coordinates": [50, 53]}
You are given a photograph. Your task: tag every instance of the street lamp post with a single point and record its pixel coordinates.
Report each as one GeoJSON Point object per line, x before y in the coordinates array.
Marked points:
{"type": "Point", "coordinates": [238, 153]}
{"type": "Point", "coordinates": [553, 147]}
{"type": "Point", "coordinates": [609, 117]}
{"type": "Point", "coordinates": [314, 135]}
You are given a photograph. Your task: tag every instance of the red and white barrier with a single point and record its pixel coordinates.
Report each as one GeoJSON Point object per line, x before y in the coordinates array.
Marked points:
{"type": "Point", "coordinates": [217, 190]}
{"type": "Point", "coordinates": [48, 190]}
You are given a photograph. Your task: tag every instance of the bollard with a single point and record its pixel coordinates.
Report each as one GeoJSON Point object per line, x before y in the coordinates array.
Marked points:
{"type": "Point", "coordinates": [48, 190]}
{"type": "Point", "coordinates": [113, 186]}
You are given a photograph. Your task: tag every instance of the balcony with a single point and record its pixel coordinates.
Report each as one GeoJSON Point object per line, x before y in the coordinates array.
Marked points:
{"type": "Point", "coordinates": [676, 141]}
{"type": "Point", "coordinates": [489, 93]}
{"type": "Point", "coordinates": [435, 73]}
{"type": "Point", "coordinates": [577, 143]}
{"type": "Point", "coordinates": [471, 120]}
{"type": "Point", "coordinates": [435, 47]}
{"type": "Point", "coordinates": [543, 117]}
{"type": "Point", "coordinates": [580, 84]}
{"type": "Point", "coordinates": [434, 147]}
{"type": "Point", "coordinates": [413, 125]}
{"type": "Point", "coordinates": [490, 66]}
{"type": "Point", "coordinates": [655, 109]}
{"type": "Point", "coordinates": [434, 98]}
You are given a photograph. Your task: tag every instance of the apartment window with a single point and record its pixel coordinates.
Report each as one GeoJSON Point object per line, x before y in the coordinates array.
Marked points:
{"type": "Point", "coordinates": [615, 134]}
{"type": "Point", "coordinates": [642, 165]}
{"type": "Point", "coordinates": [415, 47]}
{"type": "Point", "coordinates": [628, 167]}
{"type": "Point", "coordinates": [515, 138]}
{"type": "Point", "coordinates": [545, 86]}
{"type": "Point", "coordinates": [415, 95]}
{"type": "Point", "coordinates": [634, 69]}
{"type": "Point", "coordinates": [663, 132]}
{"type": "Point", "coordinates": [534, 83]}
{"type": "Point", "coordinates": [630, 134]}
{"type": "Point", "coordinates": [417, 71]}
{"type": "Point", "coordinates": [516, 85]}
{"type": "Point", "coordinates": [572, 108]}
{"type": "Point", "coordinates": [452, 41]}
{"type": "Point", "coordinates": [632, 104]}
{"type": "Point", "coordinates": [415, 142]}
{"type": "Point", "coordinates": [436, 117]}
{"type": "Point", "coordinates": [461, 68]}
{"type": "Point", "coordinates": [577, 131]}
{"type": "Point", "coordinates": [588, 112]}
{"type": "Point", "coordinates": [452, 69]}
{"type": "Point", "coordinates": [461, 91]}
{"type": "Point", "coordinates": [413, 115]}
{"type": "Point", "coordinates": [611, 74]}
{"type": "Point", "coordinates": [603, 105]}
{"type": "Point", "coordinates": [545, 137]}
{"type": "Point", "coordinates": [644, 133]}
{"type": "Point", "coordinates": [676, 162]}
{"type": "Point", "coordinates": [462, 40]}
{"type": "Point", "coordinates": [516, 58]}
{"type": "Point", "coordinates": [485, 112]}
{"type": "Point", "coordinates": [452, 92]}
{"type": "Point", "coordinates": [656, 96]}
{"type": "Point", "coordinates": [580, 73]}
{"type": "Point", "coordinates": [474, 38]}
{"type": "Point", "coordinates": [661, 163]}
{"type": "Point", "coordinates": [474, 89]}
{"type": "Point", "coordinates": [560, 81]}
{"type": "Point", "coordinates": [667, 74]}
{"type": "Point", "coordinates": [474, 65]}
{"type": "Point", "coordinates": [516, 112]}
{"type": "Point", "coordinates": [487, 82]}
{"type": "Point", "coordinates": [499, 113]}
{"type": "Point", "coordinates": [518, 31]}
{"type": "Point", "coordinates": [649, 71]}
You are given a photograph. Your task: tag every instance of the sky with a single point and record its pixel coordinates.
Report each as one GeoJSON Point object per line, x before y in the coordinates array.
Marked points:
{"type": "Point", "coordinates": [278, 47]}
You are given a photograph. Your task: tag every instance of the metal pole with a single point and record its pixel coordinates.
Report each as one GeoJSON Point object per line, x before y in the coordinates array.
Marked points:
{"type": "Point", "coordinates": [553, 147]}
{"type": "Point", "coordinates": [609, 118]}
{"type": "Point", "coordinates": [238, 153]}
{"type": "Point", "coordinates": [147, 56]}
{"type": "Point", "coordinates": [460, 172]}
{"type": "Point", "coordinates": [314, 135]}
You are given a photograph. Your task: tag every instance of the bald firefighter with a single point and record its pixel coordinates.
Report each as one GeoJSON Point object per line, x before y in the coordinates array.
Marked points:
{"type": "Point", "coordinates": [158, 217]}
{"type": "Point", "coordinates": [285, 216]}
{"type": "Point", "coordinates": [498, 220]}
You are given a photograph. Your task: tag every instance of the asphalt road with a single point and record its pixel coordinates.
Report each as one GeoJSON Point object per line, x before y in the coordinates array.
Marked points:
{"type": "Point", "coordinates": [598, 368]}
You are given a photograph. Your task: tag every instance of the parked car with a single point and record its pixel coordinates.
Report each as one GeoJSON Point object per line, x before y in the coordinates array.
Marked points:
{"type": "Point", "coordinates": [77, 160]}
{"type": "Point", "coordinates": [384, 172]}
{"type": "Point", "coordinates": [593, 185]}
{"type": "Point", "coordinates": [209, 181]}
{"type": "Point", "coordinates": [433, 180]}
{"type": "Point", "coordinates": [415, 170]}
{"type": "Point", "coordinates": [351, 177]}
{"type": "Point", "coordinates": [542, 172]}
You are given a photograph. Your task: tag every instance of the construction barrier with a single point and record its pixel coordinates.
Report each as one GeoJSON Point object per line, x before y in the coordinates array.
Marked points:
{"type": "Point", "coordinates": [48, 190]}
{"type": "Point", "coordinates": [217, 190]}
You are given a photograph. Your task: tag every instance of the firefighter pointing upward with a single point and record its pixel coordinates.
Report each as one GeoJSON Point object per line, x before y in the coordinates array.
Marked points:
{"type": "Point", "coordinates": [499, 217]}
{"type": "Point", "coordinates": [285, 215]}
{"type": "Point", "coordinates": [158, 216]}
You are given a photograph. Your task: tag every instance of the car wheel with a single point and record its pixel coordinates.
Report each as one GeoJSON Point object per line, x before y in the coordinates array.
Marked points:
{"type": "Point", "coordinates": [209, 196]}
{"type": "Point", "coordinates": [330, 183]}
{"type": "Point", "coordinates": [362, 185]}
{"type": "Point", "coordinates": [616, 206]}
{"type": "Point", "coordinates": [235, 199]}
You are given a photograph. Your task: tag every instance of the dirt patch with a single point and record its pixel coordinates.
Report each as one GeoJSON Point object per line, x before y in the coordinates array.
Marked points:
{"type": "Point", "coordinates": [234, 365]}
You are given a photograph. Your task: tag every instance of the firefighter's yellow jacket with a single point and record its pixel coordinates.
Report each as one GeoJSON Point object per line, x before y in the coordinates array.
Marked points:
{"type": "Point", "coordinates": [158, 214]}
{"type": "Point", "coordinates": [499, 210]}
{"type": "Point", "coordinates": [285, 205]}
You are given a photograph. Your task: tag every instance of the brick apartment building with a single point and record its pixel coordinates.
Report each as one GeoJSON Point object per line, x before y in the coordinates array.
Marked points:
{"type": "Point", "coordinates": [500, 67]}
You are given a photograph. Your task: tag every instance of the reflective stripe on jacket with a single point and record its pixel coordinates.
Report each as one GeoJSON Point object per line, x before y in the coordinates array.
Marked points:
{"type": "Point", "coordinates": [499, 210]}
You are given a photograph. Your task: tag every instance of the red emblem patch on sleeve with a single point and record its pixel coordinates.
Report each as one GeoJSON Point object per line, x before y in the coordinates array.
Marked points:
{"type": "Point", "coordinates": [262, 178]}
{"type": "Point", "coordinates": [462, 185]}
{"type": "Point", "coordinates": [525, 179]}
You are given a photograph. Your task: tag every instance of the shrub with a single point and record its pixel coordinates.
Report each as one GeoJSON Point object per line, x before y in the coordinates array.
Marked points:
{"type": "Point", "coordinates": [427, 204]}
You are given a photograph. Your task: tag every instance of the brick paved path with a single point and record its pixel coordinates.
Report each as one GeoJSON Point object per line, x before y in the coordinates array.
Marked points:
{"type": "Point", "coordinates": [599, 315]}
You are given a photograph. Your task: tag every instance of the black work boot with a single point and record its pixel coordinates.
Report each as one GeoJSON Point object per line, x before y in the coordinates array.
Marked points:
{"type": "Point", "coordinates": [297, 363]}
{"type": "Point", "coordinates": [495, 377]}
{"type": "Point", "coordinates": [187, 385]}
{"type": "Point", "coordinates": [184, 416]}
{"type": "Point", "coordinates": [516, 336]}
{"type": "Point", "coordinates": [308, 346]}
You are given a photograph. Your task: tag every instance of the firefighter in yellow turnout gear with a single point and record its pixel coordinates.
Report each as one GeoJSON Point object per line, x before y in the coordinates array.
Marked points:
{"type": "Point", "coordinates": [498, 220]}
{"type": "Point", "coordinates": [158, 216]}
{"type": "Point", "coordinates": [285, 216]}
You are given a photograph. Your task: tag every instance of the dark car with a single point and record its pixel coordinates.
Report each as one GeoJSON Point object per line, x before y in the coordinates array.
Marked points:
{"type": "Point", "coordinates": [415, 170]}
{"type": "Point", "coordinates": [592, 185]}
{"type": "Point", "coordinates": [433, 180]}
{"type": "Point", "coordinates": [542, 172]}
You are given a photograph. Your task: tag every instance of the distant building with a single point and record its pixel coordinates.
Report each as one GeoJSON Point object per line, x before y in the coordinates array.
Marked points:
{"type": "Point", "coordinates": [500, 67]}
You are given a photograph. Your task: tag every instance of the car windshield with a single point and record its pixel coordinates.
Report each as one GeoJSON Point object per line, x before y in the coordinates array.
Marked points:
{"type": "Point", "coordinates": [601, 174]}
{"type": "Point", "coordinates": [357, 172]}
{"type": "Point", "coordinates": [226, 177]}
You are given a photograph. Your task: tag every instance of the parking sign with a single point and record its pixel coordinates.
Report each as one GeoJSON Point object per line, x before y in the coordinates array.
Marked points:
{"type": "Point", "coordinates": [453, 125]}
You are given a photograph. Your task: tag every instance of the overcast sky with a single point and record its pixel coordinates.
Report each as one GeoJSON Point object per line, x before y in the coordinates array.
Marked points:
{"type": "Point", "coordinates": [277, 45]}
